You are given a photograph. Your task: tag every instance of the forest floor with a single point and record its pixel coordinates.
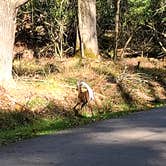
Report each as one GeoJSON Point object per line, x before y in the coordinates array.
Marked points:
{"type": "Point", "coordinates": [46, 89]}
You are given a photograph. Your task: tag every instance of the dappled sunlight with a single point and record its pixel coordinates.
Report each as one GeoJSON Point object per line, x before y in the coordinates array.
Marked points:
{"type": "Point", "coordinates": [127, 135]}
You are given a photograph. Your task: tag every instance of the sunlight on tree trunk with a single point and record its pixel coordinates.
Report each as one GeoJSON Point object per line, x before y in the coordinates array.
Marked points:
{"type": "Point", "coordinates": [87, 28]}
{"type": "Point", "coordinates": [8, 10]}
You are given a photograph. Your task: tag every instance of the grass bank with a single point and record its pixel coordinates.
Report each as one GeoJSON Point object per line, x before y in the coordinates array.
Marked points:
{"type": "Point", "coordinates": [37, 127]}
{"type": "Point", "coordinates": [44, 93]}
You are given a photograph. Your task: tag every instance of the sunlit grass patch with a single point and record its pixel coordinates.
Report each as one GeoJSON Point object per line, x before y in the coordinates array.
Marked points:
{"type": "Point", "coordinates": [34, 68]}
{"type": "Point", "coordinates": [71, 81]}
{"type": "Point", "coordinates": [36, 103]}
{"type": "Point", "coordinates": [27, 68]}
{"type": "Point", "coordinates": [38, 128]}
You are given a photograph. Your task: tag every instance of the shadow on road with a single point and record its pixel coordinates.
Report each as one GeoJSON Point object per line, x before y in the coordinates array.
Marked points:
{"type": "Point", "coordinates": [135, 140]}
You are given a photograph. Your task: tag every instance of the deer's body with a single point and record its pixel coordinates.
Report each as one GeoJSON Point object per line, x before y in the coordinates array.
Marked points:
{"type": "Point", "coordinates": [84, 97]}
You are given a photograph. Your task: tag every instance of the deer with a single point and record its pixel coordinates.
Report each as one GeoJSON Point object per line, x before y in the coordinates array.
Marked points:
{"type": "Point", "coordinates": [84, 97]}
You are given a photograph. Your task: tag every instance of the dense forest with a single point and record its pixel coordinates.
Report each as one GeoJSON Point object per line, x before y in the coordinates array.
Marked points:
{"type": "Point", "coordinates": [117, 47]}
{"type": "Point", "coordinates": [134, 28]}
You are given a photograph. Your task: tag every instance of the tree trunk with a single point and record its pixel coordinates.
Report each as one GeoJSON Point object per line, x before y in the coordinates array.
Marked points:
{"type": "Point", "coordinates": [117, 27]}
{"type": "Point", "coordinates": [8, 12]}
{"type": "Point", "coordinates": [87, 28]}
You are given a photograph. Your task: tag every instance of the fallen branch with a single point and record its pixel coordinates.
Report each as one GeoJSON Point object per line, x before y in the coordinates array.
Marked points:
{"type": "Point", "coordinates": [126, 44]}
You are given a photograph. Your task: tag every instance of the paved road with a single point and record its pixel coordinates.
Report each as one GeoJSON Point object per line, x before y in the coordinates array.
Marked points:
{"type": "Point", "coordinates": [134, 140]}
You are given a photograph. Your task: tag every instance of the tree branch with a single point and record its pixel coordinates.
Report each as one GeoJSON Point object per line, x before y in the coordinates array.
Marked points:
{"type": "Point", "coordinates": [126, 44]}
{"type": "Point", "coordinates": [162, 46]}
{"type": "Point", "coordinates": [153, 28]}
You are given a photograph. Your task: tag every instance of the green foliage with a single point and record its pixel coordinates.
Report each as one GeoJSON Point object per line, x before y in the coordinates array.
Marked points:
{"type": "Point", "coordinates": [144, 20]}
{"type": "Point", "coordinates": [49, 26]}
{"type": "Point", "coordinates": [139, 12]}
{"type": "Point", "coordinates": [71, 81]}
{"type": "Point", "coordinates": [48, 126]}
{"type": "Point", "coordinates": [46, 25]}
{"type": "Point", "coordinates": [105, 15]}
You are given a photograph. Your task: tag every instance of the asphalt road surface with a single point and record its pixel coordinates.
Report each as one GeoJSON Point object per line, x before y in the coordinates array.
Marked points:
{"type": "Point", "coordinates": [138, 139]}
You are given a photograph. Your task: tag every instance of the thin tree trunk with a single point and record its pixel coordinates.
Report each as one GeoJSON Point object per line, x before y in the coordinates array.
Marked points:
{"type": "Point", "coordinates": [117, 28]}
{"type": "Point", "coordinates": [87, 27]}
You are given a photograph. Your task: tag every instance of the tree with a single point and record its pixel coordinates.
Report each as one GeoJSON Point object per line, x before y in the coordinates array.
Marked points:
{"type": "Point", "coordinates": [117, 27]}
{"type": "Point", "coordinates": [143, 25]}
{"type": "Point", "coordinates": [8, 11]}
{"type": "Point", "coordinates": [48, 26]}
{"type": "Point", "coordinates": [87, 32]}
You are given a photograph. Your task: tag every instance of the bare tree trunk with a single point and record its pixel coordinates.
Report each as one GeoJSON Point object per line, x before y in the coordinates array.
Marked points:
{"type": "Point", "coordinates": [8, 12]}
{"type": "Point", "coordinates": [7, 31]}
{"type": "Point", "coordinates": [117, 27]}
{"type": "Point", "coordinates": [87, 28]}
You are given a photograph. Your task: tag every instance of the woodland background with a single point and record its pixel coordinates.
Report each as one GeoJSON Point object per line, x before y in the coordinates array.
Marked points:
{"type": "Point", "coordinates": [50, 27]}
{"type": "Point", "coordinates": [127, 74]}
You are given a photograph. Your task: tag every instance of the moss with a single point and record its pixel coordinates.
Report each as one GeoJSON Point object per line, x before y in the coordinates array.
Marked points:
{"type": "Point", "coordinates": [88, 54]}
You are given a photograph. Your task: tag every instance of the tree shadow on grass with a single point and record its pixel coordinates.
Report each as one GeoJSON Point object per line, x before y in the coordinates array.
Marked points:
{"type": "Point", "coordinates": [20, 125]}
{"type": "Point", "coordinates": [127, 97]}
{"type": "Point", "coordinates": [158, 76]}
{"type": "Point", "coordinates": [147, 75]}
{"type": "Point", "coordinates": [13, 119]}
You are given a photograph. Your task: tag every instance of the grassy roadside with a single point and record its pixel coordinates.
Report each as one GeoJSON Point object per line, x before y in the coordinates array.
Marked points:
{"type": "Point", "coordinates": [45, 93]}
{"type": "Point", "coordinates": [50, 126]}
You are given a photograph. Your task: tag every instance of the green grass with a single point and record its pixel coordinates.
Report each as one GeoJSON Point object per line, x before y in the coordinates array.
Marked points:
{"type": "Point", "coordinates": [49, 126]}
{"type": "Point", "coordinates": [52, 81]}
{"type": "Point", "coordinates": [38, 127]}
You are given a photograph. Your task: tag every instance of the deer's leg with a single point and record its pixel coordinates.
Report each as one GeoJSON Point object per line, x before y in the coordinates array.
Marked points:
{"type": "Point", "coordinates": [90, 107]}
{"type": "Point", "coordinates": [75, 110]}
{"type": "Point", "coordinates": [83, 104]}
{"type": "Point", "coordinates": [76, 105]}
